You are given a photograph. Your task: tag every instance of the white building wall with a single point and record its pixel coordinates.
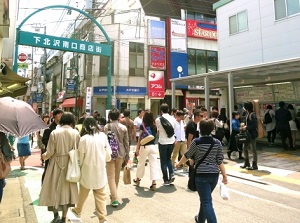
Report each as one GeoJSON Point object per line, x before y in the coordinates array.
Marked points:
{"type": "Point", "coordinates": [197, 43]}
{"type": "Point", "coordinates": [265, 40]}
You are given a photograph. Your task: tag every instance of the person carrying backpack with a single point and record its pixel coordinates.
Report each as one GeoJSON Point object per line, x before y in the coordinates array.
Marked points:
{"type": "Point", "coordinates": [166, 142]}
{"type": "Point", "coordinates": [117, 134]}
{"type": "Point", "coordinates": [270, 122]}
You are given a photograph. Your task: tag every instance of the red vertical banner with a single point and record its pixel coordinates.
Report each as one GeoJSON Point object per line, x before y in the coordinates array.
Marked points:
{"type": "Point", "coordinates": [156, 87]}
{"type": "Point", "coordinates": [157, 57]}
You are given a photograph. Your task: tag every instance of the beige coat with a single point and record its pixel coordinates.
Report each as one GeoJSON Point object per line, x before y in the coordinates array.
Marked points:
{"type": "Point", "coordinates": [56, 190]}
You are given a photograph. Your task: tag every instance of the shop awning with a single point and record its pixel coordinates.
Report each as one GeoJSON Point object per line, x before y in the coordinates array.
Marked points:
{"type": "Point", "coordinates": [70, 103]}
{"type": "Point", "coordinates": [12, 84]}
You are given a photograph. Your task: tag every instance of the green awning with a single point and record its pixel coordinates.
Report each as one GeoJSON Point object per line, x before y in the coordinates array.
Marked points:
{"type": "Point", "coordinates": [12, 84]}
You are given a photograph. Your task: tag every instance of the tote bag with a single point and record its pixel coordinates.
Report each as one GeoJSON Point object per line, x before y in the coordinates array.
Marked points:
{"type": "Point", "coordinates": [73, 172]}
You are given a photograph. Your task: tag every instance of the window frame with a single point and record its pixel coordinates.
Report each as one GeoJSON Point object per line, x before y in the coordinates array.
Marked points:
{"type": "Point", "coordinates": [237, 23]}
{"type": "Point", "coordinates": [287, 15]}
{"type": "Point", "coordinates": [139, 54]}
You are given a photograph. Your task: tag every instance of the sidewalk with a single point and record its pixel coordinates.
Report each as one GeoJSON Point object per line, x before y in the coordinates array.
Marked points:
{"type": "Point", "coordinates": [20, 198]}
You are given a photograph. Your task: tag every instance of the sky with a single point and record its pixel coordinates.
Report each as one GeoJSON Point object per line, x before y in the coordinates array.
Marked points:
{"type": "Point", "coordinates": [55, 20]}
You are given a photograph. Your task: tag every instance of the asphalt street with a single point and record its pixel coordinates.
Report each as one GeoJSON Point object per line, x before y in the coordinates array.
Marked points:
{"type": "Point", "coordinates": [270, 194]}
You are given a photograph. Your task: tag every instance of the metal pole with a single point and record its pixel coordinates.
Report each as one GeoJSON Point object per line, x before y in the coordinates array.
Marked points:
{"type": "Point", "coordinates": [76, 92]}
{"type": "Point", "coordinates": [206, 90]}
{"type": "Point", "coordinates": [44, 81]}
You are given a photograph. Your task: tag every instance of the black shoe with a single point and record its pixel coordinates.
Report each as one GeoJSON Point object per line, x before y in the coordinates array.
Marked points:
{"type": "Point", "coordinates": [246, 164]}
{"type": "Point", "coordinates": [229, 154]}
{"type": "Point", "coordinates": [253, 167]}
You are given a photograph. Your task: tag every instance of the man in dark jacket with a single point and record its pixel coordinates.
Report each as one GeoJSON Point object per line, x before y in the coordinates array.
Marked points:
{"type": "Point", "coordinates": [283, 116]}
{"type": "Point", "coordinates": [57, 113]}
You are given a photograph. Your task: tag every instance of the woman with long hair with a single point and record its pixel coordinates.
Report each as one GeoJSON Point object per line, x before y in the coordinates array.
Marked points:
{"type": "Point", "coordinates": [57, 193]}
{"type": "Point", "coordinates": [148, 150]}
{"type": "Point", "coordinates": [92, 151]}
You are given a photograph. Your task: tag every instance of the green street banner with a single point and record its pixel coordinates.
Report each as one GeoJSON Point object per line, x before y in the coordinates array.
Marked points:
{"type": "Point", "coordinates": [64, 44]}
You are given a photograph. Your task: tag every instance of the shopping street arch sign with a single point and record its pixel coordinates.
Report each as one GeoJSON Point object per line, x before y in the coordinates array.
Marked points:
{"type": "Point", "coordinates": [66, 44]}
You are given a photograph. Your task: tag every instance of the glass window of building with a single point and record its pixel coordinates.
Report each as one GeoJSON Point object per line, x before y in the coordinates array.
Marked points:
{"type": "Point", "coordinates": [136, 59]}
{"type": "Point", "coordinates": [238, 22]}
{"type": "Point", "coordinates": [285, 8]}
{"type": "Point", "coordinates": [103, 67]}
{"type": "Point", "coordinates": [202, 61]}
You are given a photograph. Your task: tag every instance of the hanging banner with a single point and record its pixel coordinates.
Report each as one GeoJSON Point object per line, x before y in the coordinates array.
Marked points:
{"type": "Point", "coordinates": [156, 87]}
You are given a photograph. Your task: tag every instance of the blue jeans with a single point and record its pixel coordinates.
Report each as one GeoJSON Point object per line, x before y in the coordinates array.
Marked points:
{"type": "Point", "coordinates": [205, 186]}
{"type": "Point", "coordinates": [165, 152]}
{"type": "Point", "coordinates": [1, 188]}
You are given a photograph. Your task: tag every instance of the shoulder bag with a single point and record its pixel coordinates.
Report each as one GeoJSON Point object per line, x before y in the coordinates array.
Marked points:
{"type": "Point", "coordinates": [192, 170]}
{"type": "Point", "coordinates": [73, 172]}
{"type": "Point", "coordinates": [146, 135]}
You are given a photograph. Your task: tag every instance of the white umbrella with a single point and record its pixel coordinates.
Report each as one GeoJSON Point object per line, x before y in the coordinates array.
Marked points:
{"type": "Point", "coordinates": [18, 118]}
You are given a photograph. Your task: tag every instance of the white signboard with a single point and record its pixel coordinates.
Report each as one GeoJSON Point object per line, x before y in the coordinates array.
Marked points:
{"type": "Point", "coordinates": [88, 100]}
{"type": "Point", "coordinates": [178, 36]}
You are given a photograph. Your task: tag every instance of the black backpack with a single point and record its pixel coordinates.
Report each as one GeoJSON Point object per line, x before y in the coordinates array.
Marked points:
{"type": "Point", "coordinates": [167, 127]}
{"type": "Point", "coordinates": [268, 118]}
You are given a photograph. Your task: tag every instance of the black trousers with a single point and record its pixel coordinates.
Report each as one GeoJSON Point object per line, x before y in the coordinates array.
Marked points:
{"type": "Point", "coordinates": [271, 135]}
{"type": "Point", "coordinates": [286, 133]}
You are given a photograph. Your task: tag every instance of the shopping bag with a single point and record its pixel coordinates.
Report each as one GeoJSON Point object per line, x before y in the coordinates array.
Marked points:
{"type": "Point", "coordinates": [73, 172]}
{"type": "Point", "coordinates": [224, 191]}
{"type": "Point", "coordinates": [191, 180]}
{"type": "Point", "coordinates": [126, 175]}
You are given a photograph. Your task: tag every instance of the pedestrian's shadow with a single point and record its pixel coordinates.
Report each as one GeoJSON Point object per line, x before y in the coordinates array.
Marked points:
{"type": "Point", "coordinates": [257, 173]}
{"type": "Point", "coordinates": [144, 192]}
{"type": "Point", "coordinates": [111, 209]}
{"type": "Point", "coordinates": [17, 173]}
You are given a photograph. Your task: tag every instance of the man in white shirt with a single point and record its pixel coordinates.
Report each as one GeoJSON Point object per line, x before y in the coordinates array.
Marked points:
{"type": "Point", "coordinates": [165, 145]}
{"type": "Point", "coordinates": [180, 143]}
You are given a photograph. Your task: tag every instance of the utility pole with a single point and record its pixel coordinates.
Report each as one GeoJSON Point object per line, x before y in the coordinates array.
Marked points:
{"type": "Point", "coordinates": [89, 63]}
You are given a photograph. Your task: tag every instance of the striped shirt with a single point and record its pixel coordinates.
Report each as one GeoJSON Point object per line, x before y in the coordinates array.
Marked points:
{"type": "Point", "coordinates": [213, 159]}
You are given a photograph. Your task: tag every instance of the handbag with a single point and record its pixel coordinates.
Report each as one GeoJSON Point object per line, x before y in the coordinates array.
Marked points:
{"type": "Point", "coordinates": [4, 166]}
{"type": "Point", "coordinates": [146, 136]}
{"type": "Point", "coordinates": [126, 175]}
{"type": "Point", "coordinates": [192, 170]}
{"type": "Point", "coordinates": [242, 137]}
{"type": "Point", "coordinates": [73, 172]}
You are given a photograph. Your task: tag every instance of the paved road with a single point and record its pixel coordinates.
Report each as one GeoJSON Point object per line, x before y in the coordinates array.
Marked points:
{"type": "Point", "coordinates": [268, 195]}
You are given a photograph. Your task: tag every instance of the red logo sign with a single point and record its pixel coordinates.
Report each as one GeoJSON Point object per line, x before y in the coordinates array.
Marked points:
{"type": "Point", "coordinates": [156, 86]}
{"type": "Point", "coordinates": [201, 30]}
{"type": "Point", "coordinates": [22, 57]}
{"type": "Point", "coordinates": [157, 58]}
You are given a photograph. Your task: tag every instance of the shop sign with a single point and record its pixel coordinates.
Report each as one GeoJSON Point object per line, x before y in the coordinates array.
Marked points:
{"type": "Point", "coordinates": [178, 36]}
{"type": "Point", "coordinates": [157, 33]}
{"type": "Point", "coordinates": [37, 97]}
{"type": "Point", "coordinates": [70, 86]}
{"type": "Point", "coordinates": [156, 87]}
{"type": "Point", "coordinates": [121, 90]}
{"type": "Point", "coordinates": [201, 30]}
{"type": "Point", "coordinates": [64, 44]}
{"type": "Point", "coordinates": [157, 58]}
{"type": "Point", "coordinates": [88, 100]}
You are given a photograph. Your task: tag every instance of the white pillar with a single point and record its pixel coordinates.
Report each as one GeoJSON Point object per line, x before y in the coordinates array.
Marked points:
{"type": "Point", "coordinates": [206, 90]}
{"type": "Point", "coordinates": [230, 97]}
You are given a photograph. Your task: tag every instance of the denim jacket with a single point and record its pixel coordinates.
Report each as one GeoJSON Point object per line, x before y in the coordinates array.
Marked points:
{"type": "Point", "coordinates": [251, 123]}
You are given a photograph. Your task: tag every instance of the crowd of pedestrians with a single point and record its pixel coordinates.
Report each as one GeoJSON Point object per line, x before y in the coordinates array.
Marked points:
{"type": "Point", "coordinates": [193, 133]}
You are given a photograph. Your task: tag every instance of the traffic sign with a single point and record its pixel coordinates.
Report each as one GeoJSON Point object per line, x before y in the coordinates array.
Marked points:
{"type": "Point", "coordinates": [22, 57]}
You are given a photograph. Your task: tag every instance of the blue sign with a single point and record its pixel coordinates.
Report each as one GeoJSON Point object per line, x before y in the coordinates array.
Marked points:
{"type": "Point", "coordinates": [70, 86]}
{"type": "Point", "coordinates": [157, 32]}
{"type": "Point", "coordinates": [179, 66]}
{"type": "Point", "coordinates": [38, 97]}
{"type": "Point", "coordinates": [121, 90]}
{"type": "Point", "coordinates": [64, 44]}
